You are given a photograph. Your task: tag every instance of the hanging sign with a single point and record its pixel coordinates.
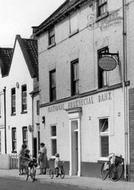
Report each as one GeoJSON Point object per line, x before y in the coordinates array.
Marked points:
{"type": "Point", "coordinates": [107, 63]}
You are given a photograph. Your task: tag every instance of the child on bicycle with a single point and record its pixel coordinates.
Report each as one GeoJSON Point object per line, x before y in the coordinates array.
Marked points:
{"type": "Point", "coordinates": [56, 164]}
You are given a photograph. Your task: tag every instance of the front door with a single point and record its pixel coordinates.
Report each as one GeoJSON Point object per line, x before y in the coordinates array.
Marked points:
{"type": "Point", "coordinates": [74, 135]}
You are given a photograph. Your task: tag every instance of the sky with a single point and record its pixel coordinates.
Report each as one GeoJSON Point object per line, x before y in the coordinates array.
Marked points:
{"type": "Point", "coordinates": [18, 17]}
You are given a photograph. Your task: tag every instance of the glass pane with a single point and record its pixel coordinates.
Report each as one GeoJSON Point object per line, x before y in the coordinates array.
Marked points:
{"type": "Point", "coordinates": [104, 146]}
{"type": "Point", "coordinates": [53, 131]}
{"type": "Point", "coordinates": [103, 125]}
{"type": "Point", "coordinates": [54, 146]}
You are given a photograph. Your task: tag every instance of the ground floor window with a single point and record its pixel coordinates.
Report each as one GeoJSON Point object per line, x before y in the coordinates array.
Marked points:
{"type": "Point", "coordinates": [25, 135]}
{"type": "Point", "coordinates": [53, 140]}
{"type": "Point", "coordinates": [38, 140]}
{"type": "Point", "coordinates": [104, 137]}
{"type": "Point", "coordinates": [14, 140]}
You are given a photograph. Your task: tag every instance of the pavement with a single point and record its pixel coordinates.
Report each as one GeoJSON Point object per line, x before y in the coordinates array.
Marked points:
{"type": "Point", "coordinates": [82, 182]}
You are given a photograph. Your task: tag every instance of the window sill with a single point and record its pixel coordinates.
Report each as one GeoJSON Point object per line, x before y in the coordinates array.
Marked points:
{"type": "Point", "coordinates": [52, 45]}
{"type": "Point", "coordinates": [13, 114]}
{"type": "Point", "coordinates": [73, 33]}
{"type": "Point", "coordinates": [23, 112]}
{"type": "Point", "coordinates": [102, 16]}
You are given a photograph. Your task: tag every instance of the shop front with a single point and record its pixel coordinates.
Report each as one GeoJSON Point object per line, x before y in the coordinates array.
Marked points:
{"type": "Point", "coordinates": [85, 130]}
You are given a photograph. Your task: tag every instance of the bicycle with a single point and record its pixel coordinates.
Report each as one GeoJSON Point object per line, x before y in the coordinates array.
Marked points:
{"type": "Point", "coordinates": [113, 168]}
{"type": "Point", "coordinates": [57, 171]}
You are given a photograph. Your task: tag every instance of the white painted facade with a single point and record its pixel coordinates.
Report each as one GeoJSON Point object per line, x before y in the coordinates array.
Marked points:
{"type": "Point", "coordinates": [91, 37]}
{"type": "Point", "coordinates": [19, 75]}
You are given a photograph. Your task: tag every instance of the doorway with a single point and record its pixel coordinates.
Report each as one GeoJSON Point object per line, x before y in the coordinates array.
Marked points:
{"type": "Point", "coordinates": [75, 151]}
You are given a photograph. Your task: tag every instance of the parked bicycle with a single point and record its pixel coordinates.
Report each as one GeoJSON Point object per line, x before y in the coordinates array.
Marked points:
{"type": "Point", "coordinates": [113, 168]}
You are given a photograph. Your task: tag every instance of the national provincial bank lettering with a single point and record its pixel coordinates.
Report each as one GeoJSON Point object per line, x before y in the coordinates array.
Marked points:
{"type": "Point", "coordinates": [80, 102]}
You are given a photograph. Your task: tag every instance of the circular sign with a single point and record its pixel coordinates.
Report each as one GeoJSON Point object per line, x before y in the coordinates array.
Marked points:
{"type": "Point", "coordinates": [107, 63]}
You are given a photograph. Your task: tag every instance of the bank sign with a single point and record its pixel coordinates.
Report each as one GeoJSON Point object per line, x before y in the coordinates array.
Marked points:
{"type": "Point", "coordinates": [81, 102]}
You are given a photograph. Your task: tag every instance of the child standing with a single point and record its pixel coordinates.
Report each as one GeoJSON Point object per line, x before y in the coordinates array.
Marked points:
{"type": "Point", "coordinates": [56, 164]}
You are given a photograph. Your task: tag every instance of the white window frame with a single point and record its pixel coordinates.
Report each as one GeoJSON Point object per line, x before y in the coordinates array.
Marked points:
{"type": "Point", "coordinates": [103, 134]}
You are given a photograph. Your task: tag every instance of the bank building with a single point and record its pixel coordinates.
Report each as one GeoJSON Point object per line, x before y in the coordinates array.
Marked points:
{"type": "Point", "coordinates": [86, 84]}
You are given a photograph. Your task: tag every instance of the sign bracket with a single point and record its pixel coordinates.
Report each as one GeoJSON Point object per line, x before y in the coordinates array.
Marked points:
{"type": "Point", "coordinates": [114, 55]}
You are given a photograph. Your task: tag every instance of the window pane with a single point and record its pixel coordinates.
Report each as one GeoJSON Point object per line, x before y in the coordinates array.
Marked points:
{"type": "Point", "coordinates": [53, 131]}
{"type": "Point", "coordinates": [103, 125]}
{"type": "Point", "coordinates": [13, 139]}
{"type": "Point", "coordinates": [104, 146]}
{"type": "Point", "coordinates": [74, 23]}
{"type": "Point", "coordinates": [54, 146]}
{"type": "Point", "coordinates": [52, 85]}
{"type": "Point", "coordinates": [13, 100]}
{"type": "Point", "coordinates": [51, 36]}
{"type": "Point", "coordinates": [25, 135]}
{"type": "Point", "coordinates": [24, 98]}
{"type": "Point", "coordinates": [75, 77]}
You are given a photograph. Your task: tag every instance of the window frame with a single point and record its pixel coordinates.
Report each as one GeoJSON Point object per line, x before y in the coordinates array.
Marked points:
{"type": "Point", "coordinates": [52, 85]}
{"type": "Point", "coordinates": [51, 36]}
{"type": "Point", "coordinates": [52, 139]}
{"type": "Point", "coordinates": [102, 82]}
{"type": "Point", "coordinates": [75, 79]}
{"type": "Point", "coordinates": [24, 98]}
{"type": "Point", "coordinates": [72, 17]}
{"type": "Point", "coordinates": [25, 130]}
{"type": "Point", "coordinates": [14, 140]}
{"type": "Point", "coordinates": [99, 7]}
{"type": "Point", "coordinates": [13, 101]}
{"type": "Point", "coordinates": [104, 134]}
{"type": "Point", "coordinates": [37, 107]}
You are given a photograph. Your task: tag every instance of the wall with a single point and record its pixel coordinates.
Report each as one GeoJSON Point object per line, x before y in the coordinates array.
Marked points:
{"type": "Point", "coordinates": [18, 73]}
{"type": "Point", "coordinates": [84, 45]}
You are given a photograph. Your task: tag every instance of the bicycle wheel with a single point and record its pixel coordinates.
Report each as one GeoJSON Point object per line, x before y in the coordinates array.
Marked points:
{"type": "Point", "coordinates": [104, 170]}
{"type": "Point", "coordinates": [116, 172]}
{"type": "Point", "coordinates": [51, 173]}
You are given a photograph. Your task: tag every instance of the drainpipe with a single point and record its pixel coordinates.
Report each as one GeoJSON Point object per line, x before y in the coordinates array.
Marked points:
{"type": "Point", "coordinates": [124, 79]}
{"type": "Point", "coordinates": [4, 90]}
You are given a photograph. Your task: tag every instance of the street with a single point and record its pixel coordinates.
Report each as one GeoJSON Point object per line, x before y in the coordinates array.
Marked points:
{"type": "Point", "coordinates": [8, 184]}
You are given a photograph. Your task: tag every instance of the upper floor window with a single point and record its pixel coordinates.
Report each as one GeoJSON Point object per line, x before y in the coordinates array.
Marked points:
{"type": "Point", "coordinates": [102, 75]}
{"type": "Point", "coordinates": [25, 135]}
{"type": "Point", "coordinates": [37, 107]}
{"type": "Point", "coordinates": [24, 98]}
{"type": "Point", "coordinates": [14, 146]}
{"type": "Point", "coordinates": [73, 23]}
{"type": "Point", "coordinates": [101, 7]}
{"type": "Point", "coordinates": [74, 77]}
{"type": "Point", "coordinates": [51, 36]}
{"type": "Point", "coordinates": [52, 76]}
{"type": "Point", "coordinates": [13, 101]}
{"type": "Point", "coordinates": [104, 137]}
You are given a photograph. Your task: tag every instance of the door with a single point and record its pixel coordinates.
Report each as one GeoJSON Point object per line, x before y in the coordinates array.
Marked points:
{"type": "Point", "coordinates": [74, 126]}
{"type": "Point", "coordinates": [35, 147]}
